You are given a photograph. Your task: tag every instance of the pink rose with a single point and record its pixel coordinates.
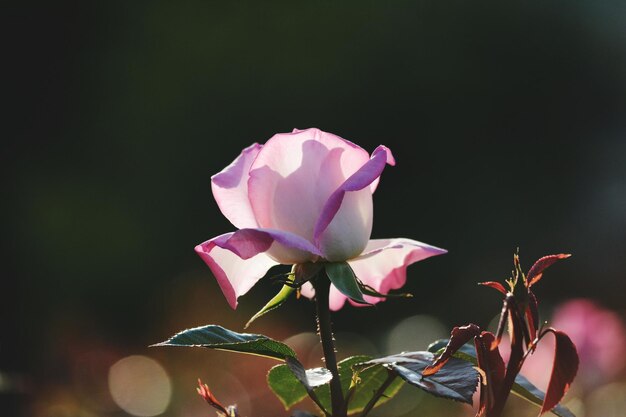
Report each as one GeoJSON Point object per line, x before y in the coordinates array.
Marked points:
{"type": "Point", "coordinates": [305, 196]}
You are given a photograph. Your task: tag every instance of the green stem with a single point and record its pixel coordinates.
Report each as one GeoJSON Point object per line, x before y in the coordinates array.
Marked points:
{"type": "Point", "coordinates": [378, 394]}
{"type": "Point", "coordinates": [321, 283]}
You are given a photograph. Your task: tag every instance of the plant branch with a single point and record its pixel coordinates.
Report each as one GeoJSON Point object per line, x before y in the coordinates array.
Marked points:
{"type": "Point", "coordinates": [319, 404]}
{"type": "Point", "coordinates": [378, 394]}
{"type": "Point", "coordinates": [321, 283]}
{"type": "Point", "coordinates": [516, 358]}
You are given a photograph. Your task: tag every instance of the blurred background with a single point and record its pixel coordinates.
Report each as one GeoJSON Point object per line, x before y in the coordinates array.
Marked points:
{"type": "Point", "coordinates": [506, 120]}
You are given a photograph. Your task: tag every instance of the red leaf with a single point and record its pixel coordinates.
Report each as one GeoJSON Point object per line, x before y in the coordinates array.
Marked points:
{"type": "Point", "coordinates": [563, 371]}
{"type": "Point", "coordinates": [532, 316]}
{"type": "Point", "coordinates": [536, 271]}
{"type": "Point", "coordinates": [495, 285]}
{"type": "Point", "coordinates": [205, 392]}
{"type": "Point", "coordinates": [510, 314]}
{"type": "Point", "coordinates": [458, 337]}
{"type": "Point", "coordinates": [491, 363]}
{"type": "Point", "coordinates": [504, 315]}
{"type": "Point", "coordinates": [516, 329]}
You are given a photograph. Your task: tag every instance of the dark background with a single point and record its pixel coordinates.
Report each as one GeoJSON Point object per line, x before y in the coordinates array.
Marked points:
{"type": "Point", "coordinates": [506, 120]}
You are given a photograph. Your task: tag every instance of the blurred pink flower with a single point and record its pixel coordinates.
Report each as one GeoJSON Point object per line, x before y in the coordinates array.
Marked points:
{"type": "Point", "coordinates": [304, 196]}
{"type": "Point", "coordinates": [600, 340]}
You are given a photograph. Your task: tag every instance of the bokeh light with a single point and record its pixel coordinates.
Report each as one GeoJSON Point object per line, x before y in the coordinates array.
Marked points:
{"type": "Point", "coordinates": [600, 339]}
{"type": "Point", "coordinates": [414, 333]}
{"type": "Point", "coordinates": [347, 344]}
{"type": "Point", "coordinates": [607, 401]}
{"type": "Point", "coordinates": [140, 386]}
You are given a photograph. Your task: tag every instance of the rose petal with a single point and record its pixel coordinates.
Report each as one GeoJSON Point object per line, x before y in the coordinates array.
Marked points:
{"type": "Point", "coordinates": [382, 266]}
{"type": "Point", "coordinates": [349, 231]}
{"type": "Point", "coordinates": [235, 276]}
{"type": "Point", "coordinates": [294, 174]}
{"type": "Point", "coordinates": [390, 161]}
{"type": "Point", "coordinates": [307, 290]}
{"type": "Point", "coordinates": [336, 299]}
{"type": "Point", "coordinates": [345, 224]}
{"type": "Point", "coordinates": [230, 189]}
{"type": "Point", "coordinates": [284, 247]}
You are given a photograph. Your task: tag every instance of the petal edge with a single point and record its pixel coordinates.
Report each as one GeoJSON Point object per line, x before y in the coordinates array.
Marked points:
{"type": "Point", "coordinates": [234, 275]}
{"type": "Point", "coordinates": [230, 189]}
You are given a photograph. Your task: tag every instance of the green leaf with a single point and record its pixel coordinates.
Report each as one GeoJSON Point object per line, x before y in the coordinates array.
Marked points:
{"type": "Point", "coordinates": [525, 389]}
{"type": "Point", "coordinates": [299, 413]}
{"type": "Point", "coordinates": [291, 382]}
{"type": "Point", "coordinates": [310, 378]}
{"type": "Point", "coordinates": [217, 337]}
{"type": "Point", "coordinates": [465, 352]}
{"type": "Point", "coordinates": [274, 303]}
{"type": "Point", "coordinates": [284, 384]}
{"type": "Point", "coordinates": [366, 383]}
{"type": "Point", "coordinates": [457, 380]}
{"type": "Point", "coordinates": [522, 387]}
{"type": "Point", "coordinates": [342, 276]}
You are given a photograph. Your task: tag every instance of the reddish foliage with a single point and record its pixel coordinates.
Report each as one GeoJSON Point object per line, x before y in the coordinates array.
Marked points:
{"type": "Point", "coordinates": [520, 312]}
{"type": "Point", "coordinates": [504, 315]}
{"type": "Point", "coordinates": [458, 337]}
{"type": "Point", "coordinates": [536, 271]}
{"type": "Point", "coordinates": [495, 285]}
{"type": "Point", "coordinates": [532, 316]}
{"type": "Point", "coordinates": [563, 371]}
{"type": "Point", "coordinates": [492, 364]}
{"type": "Point", "coordinates": [205, 392]}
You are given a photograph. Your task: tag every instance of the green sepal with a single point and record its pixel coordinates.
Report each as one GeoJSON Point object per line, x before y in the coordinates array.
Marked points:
{"type": "Point", "coordinates": [367, 290]}
{"type": "Point", "coordinates": [277, 300]}
{"type": "Point", "coordinates": [343, 278]}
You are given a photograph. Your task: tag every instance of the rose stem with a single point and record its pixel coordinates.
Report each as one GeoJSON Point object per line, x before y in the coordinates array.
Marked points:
{"type": "Point", "coordinates": [321, 283]}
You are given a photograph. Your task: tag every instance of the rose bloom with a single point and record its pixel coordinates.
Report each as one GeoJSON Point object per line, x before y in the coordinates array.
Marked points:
{"type": "Point", "coordinates": [305, 196]}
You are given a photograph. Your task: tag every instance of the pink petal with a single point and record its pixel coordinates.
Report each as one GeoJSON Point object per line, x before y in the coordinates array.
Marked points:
{"type": "Point", "coordinates": [336, 299]}
{"type": "Point", "coordinates": [230, 189]}
{"type": "Point", "coordinates": [235, 276]}
{"type": "Point", "coordinates": [345, 223]}
{"type": "Point", "coordinates": [383, 264]}
{"type": "Point", "coordinates": [284, 247]}
{"type": "Point", "coordinates": [307, 290]}
{"type": "Point", "coordinates": [351, 227]}
{"type": "Point", "coordinates": [390, 161]}
{"type": "Point", "coordinates": [295, 173]}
